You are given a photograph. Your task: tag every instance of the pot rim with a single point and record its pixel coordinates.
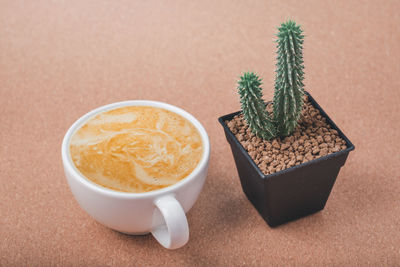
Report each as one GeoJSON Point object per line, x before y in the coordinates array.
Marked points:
{"type": "Point", "coordinates": [349, 144]}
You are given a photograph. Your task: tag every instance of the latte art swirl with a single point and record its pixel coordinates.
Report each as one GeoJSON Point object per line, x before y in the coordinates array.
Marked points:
{"type": "Point", "coordinates": [136, 148]}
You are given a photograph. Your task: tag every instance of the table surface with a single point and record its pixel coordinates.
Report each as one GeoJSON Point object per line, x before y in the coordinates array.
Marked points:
{"type": "Point", "coordinates": [60, 59]}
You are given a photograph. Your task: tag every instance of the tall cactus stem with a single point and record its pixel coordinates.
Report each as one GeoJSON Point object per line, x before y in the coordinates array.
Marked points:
{"type": "Point", "coordinates": [288, 95]}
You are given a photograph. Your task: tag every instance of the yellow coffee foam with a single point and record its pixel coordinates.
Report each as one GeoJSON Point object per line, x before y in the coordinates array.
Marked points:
{"type": "Point", "coordinates": [136, 149]}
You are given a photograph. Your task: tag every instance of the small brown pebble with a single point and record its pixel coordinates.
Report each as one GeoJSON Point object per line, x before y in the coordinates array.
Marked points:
{"type": "Point", "coordinates": [308, 156]}
{"type": "Point", "coordinates": [268, 146]}
{"type": "Point", "coordinates": [252, 154]}
{"type": "Point", "coordinates": [245, 143]}
{"type": "Point", "coordinates": [266, 159]}
{"type": "Point", "coordinates": [343, 146]}
{"type": "Point", "coordinates": [299, 157]}
{"type": "Point", "coordinates": [314, 144]}
{"type": "Point", "coordinates": [320, 139]}
{"type": "Point", "coordinates": [271, 169]}
{"type": "Point", "coordinates": [315, 150]}
{"type": "Point", "coordinates": [285, 146]}
{"type": "Point", "coordinates": [323, 152]}
{"type": "Point", "coordinates": [295, 145]}
{"type": "Point", "coordinates": [275, 144]}
{"type": "Point", "coordinates": [323, 145]}
{"type": "Point", "coordinates": [263, 166]}
{"type": "Point", "coordinates": [231, 124]}
{"type": "Point", "coordinates": [327, 138]}
{"type": "Point", "coordinates": [296, 134]}
{"type": "Point", "coordinates": [289, 139]}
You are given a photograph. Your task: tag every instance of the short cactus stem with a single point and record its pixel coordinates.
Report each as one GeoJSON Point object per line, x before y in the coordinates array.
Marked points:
{"type": "Point", "coordinates": [254, 109]}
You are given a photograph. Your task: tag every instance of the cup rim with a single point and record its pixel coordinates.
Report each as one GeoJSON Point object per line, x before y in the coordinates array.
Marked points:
{"type": "Point", "coordinates": [69, 165]}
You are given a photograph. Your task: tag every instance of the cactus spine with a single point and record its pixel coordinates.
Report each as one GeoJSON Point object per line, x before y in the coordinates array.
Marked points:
{"type": "Point", "coordinates": [253, 106]}
{"type": "Point", "coordinates": [288, 95]}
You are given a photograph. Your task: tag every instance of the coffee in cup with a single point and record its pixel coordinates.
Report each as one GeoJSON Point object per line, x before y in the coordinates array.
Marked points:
{"type": "Point", "coordinates": [136, 149]}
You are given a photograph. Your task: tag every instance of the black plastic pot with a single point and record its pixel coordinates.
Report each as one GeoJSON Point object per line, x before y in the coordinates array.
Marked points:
{"type": "Point", "coordinates": [291, 193]}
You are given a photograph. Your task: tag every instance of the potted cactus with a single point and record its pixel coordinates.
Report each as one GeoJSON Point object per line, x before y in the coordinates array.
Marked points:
{"type": "Point", "coordinates": [288, 152]}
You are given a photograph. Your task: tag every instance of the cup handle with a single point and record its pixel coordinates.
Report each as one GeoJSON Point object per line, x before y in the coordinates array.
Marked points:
{"type": "Point", "coordinates": [175, 232]}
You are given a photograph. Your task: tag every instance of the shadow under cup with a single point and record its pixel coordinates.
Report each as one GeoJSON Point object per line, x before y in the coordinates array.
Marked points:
{"type": "Point", "coordinates": [161, 212]}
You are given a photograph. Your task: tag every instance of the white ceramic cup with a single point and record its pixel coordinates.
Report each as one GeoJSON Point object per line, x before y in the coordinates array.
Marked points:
{"type": "Point", "coordinates": [161, 212]}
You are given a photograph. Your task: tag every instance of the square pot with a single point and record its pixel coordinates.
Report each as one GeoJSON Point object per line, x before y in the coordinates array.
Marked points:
{"type": "Point", "coordinates": [291, 193]}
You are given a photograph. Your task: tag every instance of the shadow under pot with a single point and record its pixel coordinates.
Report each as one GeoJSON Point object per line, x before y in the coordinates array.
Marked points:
{"type": "Point", "coordinates": [291, 193]}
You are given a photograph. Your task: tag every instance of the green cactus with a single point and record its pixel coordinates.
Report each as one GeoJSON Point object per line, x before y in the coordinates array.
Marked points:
{"type": "Point", "coordinates": [288, 95]}
{"type": "Point", "coordinates": [253, 106]}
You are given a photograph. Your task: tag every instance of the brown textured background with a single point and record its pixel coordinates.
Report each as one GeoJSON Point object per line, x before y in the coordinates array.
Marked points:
{"type": "Point", "coordinates": [60, 59]}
